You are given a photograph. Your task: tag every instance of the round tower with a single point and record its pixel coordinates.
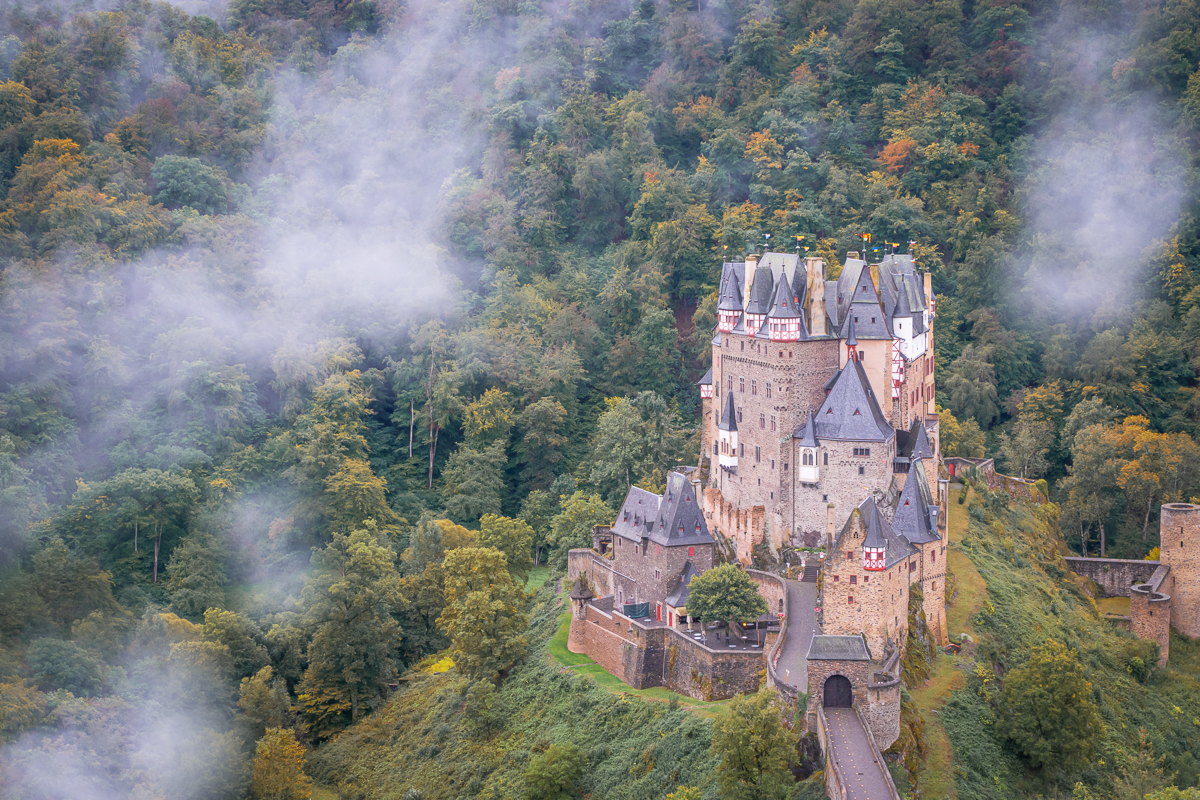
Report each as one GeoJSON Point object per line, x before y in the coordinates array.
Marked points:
{"type": "Point", "coordinates": [1150, 617]}
{"type": "Point", "coordinates": [580, 595]}
{"type": "Point", "coordinates": [1179, 550]}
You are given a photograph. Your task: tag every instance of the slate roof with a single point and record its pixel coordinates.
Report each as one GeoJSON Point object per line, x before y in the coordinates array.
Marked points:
{"type": "Point", "coordinates": [877, 533]}
{"type": "Point", "coordinates": [580, 590]}
{"type": "Point", "coordinates": [807, 434]}
{"type": "Point", "coordinates": [730, 298]}
{"type": "Point", "coordinates": [761, 292]}
{"type": "Point", "coordinates": [728, 420]}
{"type": "Point", "coordinates": [921, 447]}
{"type": "Point", "coordinates": [800, 287]}
{"type": "Point", "coordinates": [784, 306]}
{"type": "Point", "coordinates": [916, 511]}
{"type": "Point", "coordinates": [838, 648]}
{"type": "Point", "coordinates": [679, 597]}
{"type": "Point", "coordinates": [672, 519]}
{"type": "Point", "coordinates": [740, 325]}
{"type": "Point", "coordinates": [706, 380]}
{"type": "Point", "coordinates": [850, 411]}
{"type": "Point", "coordinates": [849, 335]}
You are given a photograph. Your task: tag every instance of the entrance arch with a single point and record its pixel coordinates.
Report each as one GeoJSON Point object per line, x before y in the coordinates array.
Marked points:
{"type": "Point", "coordinates": [838, 692]}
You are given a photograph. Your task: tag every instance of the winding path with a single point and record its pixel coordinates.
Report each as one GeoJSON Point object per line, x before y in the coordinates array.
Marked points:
{"type": "Point", "coordinates": [792, 666]}
{"type": "Point", "coordinates": [857, 761]}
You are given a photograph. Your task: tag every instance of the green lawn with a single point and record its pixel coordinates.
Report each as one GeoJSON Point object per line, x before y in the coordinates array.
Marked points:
{"type": "Point", "coordinates": [537, 577]}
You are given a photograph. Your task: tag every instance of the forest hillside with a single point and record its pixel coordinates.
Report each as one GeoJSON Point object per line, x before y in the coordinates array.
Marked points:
{"type": "Point", "coordinates": [313, 313]}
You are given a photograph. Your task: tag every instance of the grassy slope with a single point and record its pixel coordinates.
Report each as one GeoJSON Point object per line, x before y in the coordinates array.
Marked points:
{"type": "Point", "coordinates": [421, 740]}
{"type": "Point", "coordinates": [1013, 594]}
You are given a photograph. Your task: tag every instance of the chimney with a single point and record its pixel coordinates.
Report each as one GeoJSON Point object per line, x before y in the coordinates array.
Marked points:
{"type": "Point", "coordinates": [851, 254]}
{"type": "Point", "coordinates": [929, 290]}
{"type": "Point", "coordinates": [751, 265]}
{"type": "Point", "coordinates": [816, 295]}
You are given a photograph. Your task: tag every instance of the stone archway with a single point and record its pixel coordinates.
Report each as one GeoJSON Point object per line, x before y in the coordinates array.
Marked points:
{"type": "Point", "coordinates": [838, 693]}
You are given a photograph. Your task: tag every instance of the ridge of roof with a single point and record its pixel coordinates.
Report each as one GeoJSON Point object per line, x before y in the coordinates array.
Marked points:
{"type": "Point", "coordinates": [850, 411]}
{"type": "Point", "coordinates": [916, 513]}
{"type": "Point", "coordinates": [761, 291]}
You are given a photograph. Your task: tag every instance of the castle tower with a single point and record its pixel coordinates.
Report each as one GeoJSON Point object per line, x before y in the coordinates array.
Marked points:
{"type": "Point", "coordinates": [1150, 617]}
{"type": "Point", "coordinates": [728, 436]}
{"type": "Point", "coordinates": [1179, 550]}
{"type": "Point", "coordinates": [580, 595]}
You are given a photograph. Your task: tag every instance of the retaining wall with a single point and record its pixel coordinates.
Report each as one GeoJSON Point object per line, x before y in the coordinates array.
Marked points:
{"type": "Point", "coordinates": [1116, 576]}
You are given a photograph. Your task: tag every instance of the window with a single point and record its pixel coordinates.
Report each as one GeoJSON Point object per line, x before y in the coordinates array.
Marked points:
{"type": "Point", "coordinates": [691, 552]}
{"type": "Point", "coordinates": [862, 451]}
{"type": "Point", "coordinates": [827, 459]}
{"type": "Point", "coordinates": [850, 599]}
{"type": "Point", "coordinates": [933, 556]}
{"type": "Point", "coordinates": [808, 458]}
{"type": "Point", "coordinates": [862, 355]}
{"type": "Point", "coordinates": [849, 555]}
{"type": "Point", "coordinates": [754, 387]}
{"type": "Point", "coordinates": [758, 455]}
{"type": "Point", "coordinates": [715, 452]}
{"type": "Point", "coordinates": [739, 413]}
{"type": "Point", "coordinates": [772, 423]}
{"type": "Point", "coordinates": [768, 388]}
{"type": "Point", "coordinates": [866, 578]}
{"type": "Point", "coordinates": [729, 382]}
{"type": "Point", "coordinates": [862, 470]}
{"type": "Point", "coordinates": [853, 580]}
{"type": "Point", "coordinates": [789, 353]}
{"type": "Point", "coordinates": [836, 578]}
{"type": "Point", "coordinates": [772, 463]}
{"type": "Point", "coordinates": [824, 498]}
{"type": "Point", "coordinates": [741, 384]}
{"type": "Point", "coordinates": [935, 586]}
{"type": "Point", "coordinates": [743, 345]}
{"type": "Point", "coordinates": [657, 575]}
{"type": "Point", "coordinates": [743, 449]}
{"type": "Point", "coordinates": [762, 421]}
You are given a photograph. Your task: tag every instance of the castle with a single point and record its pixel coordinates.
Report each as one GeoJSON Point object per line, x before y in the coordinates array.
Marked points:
{"type": "Point", "coordinates": [818, 431]}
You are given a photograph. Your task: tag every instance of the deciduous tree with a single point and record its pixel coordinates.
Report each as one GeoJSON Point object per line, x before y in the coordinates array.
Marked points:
{"type": "Point", "coordinates": [484, 615]}
{"type": "Point", "coordinates": [753, 747]}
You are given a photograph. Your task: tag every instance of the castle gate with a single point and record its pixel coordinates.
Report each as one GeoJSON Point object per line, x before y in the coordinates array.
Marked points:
{"type": "Point", "coordinates": [838, 693]}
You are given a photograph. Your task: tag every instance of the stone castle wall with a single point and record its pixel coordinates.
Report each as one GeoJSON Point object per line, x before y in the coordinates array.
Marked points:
{"type": "Point", "coordinates": [879, 609]}
{"type": "Point", "coordinates": [1114, 575]}
{"type": "Point", "coordinates": [839, 484]}
{"type": "Point", "coordinates": [933, 588]}
{"type": "Point", "coordinates": [1150, 618]}
{"type": "Point", "coordinates": [1179, 551]}
{"type": "Point", "coordinates": [644, 657]}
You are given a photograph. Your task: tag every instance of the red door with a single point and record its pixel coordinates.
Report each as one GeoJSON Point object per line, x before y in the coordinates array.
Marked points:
{"type": "Point", "coordinates": [671, 619]}
{"type": "Point", "coordinates": [658, 611]}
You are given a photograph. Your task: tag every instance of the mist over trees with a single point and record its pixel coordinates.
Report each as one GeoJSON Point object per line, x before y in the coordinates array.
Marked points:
{"type": "Point", "coordinates": [309, 311]}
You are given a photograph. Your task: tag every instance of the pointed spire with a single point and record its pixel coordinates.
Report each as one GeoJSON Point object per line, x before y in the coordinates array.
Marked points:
{"type": "Point", "coordinates": [784, 304]}
{"type": "Point", "coordinates": [729, 418]}
{"type": "Point", "coordinates": [922, 448]}
{"type": "Point", "coordinates": [809, 437]}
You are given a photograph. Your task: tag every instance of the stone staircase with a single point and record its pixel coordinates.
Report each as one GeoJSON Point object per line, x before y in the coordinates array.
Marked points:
{"type": "Point", "coordinates": [811, 571]}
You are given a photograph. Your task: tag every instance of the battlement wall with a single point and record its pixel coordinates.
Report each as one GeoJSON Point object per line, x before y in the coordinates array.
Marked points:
{"type": "Point", "coordinates": [1116, 576]}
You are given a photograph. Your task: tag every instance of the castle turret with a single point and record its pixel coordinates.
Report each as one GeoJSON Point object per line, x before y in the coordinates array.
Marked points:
{"type": "Point", "coordinates": [760, 298]}
{"type": "Point", "coordinates": [706, 385]}
{"type": "Point", "coordinates": [851, 343]}
{"type": "Point", "coordinates": [729, 302]}
{"type": "Point", "coordinates": [784, 322]}
{"type": "Point", "coordinates": [1179, 550]}
{"type": "Point", "coordinates": [810, 470]}
{"type": "Point", "coordinates": [728, 435]}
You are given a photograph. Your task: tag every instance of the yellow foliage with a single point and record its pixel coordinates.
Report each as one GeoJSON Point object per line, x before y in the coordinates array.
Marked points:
{"type": "Point", "coordinates": [445, 664]}
{"type": "Point", "coordinates": [456, 536]}
{"type": "Point", "coordinates": [279, 768]}
{"type": "Point", "coordinates": [180, 630]}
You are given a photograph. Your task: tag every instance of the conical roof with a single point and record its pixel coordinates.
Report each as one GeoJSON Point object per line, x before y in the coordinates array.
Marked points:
{"type": "Point", "coordinates": [730, 298]}
{"type": "Point", "coordinates": [729, 417]}
{"type": "Point", "coordinates": [850, 340]}
{"type": "Point", "coordinates": [808, 434]}
{"type": "Point", "coordinates": [784, 305]}
{"type": "Point", "coordinates": [707, 379]}
{"type": "Point", "coordinates": [921, 448]}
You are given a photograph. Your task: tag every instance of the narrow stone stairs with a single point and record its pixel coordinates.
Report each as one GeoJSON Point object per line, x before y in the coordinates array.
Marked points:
{"type": "Point", "coordinates": [811, 571]}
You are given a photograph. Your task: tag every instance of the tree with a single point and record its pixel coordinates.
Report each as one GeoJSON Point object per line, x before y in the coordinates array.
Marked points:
{"type": "Point", "coordinates": [538, 510]}
{"type": "Point", "coordinates": [634, 438]}
{"type": "Point", "coordinates": [552, 775]}
{"type": "Point", "coordinates": [753, 747]}
{"type": "Point", "coordinates": [264, 701]}
{"type": "Point", "coordinates": [964, 439]}
{"type": "Point", "coordinates": [425, 597]}
{"type": "Point", "coordinates": [725, 593]}
{"type": "Point", "coordinates": [1141, 772]}
{"type": "Point", "coordinates": [1047, 710]}
{"type": "Point", "coordinates": [971, 387]}
{"type": "Point", "coordinates": [1092, 480]}
{"type": "Point", "coordinates": [56, 664]}
{"type": "Point", "coordinates": [572, 526]}
{"type": "Point", "coordinates": [474, 481]}
{"type": "Point", "coordinates": [241, 636]}
{"type": "Point", "coordinates": [513, 537]}
{"type": "Point", "coordinates": [184, 181]}
{"type": "Point", "coordinates": [1024, 451]}
{"type": "Point", "coordinates": [156, 497]}
{"type": "Point", "coordinates": [196, 575]}
{"type": "Point", "coordinates": [279, 768]}
{"type": "Point", "coordinates": [351, 595]}
{"type": "Point", "coordinates": [541, 447]}
{"type": "Point", "coordinates": [21, 707]}
{"type": "Point", "coordinates": [489, 419]}
{"type": "Point", "coordinates": [483, 615]}
{"type": "Point", "coordinates": [71, 586]}
{"type": "Point", "coordinates": [429, 541]}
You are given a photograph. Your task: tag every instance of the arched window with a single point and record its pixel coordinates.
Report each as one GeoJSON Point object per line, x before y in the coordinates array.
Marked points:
{"type": "Point", "coordinates": [827, 459]}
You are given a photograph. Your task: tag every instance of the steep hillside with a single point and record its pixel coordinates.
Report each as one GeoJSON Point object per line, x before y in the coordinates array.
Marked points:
{"type": "Point", "coordinates": [435, 739]}
{"type": "Point", "coordinates": [1030, 598]}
